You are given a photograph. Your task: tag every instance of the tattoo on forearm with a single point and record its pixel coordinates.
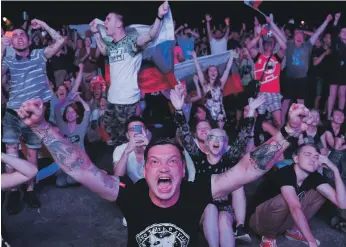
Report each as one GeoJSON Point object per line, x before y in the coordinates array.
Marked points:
{"type": "Point", "coordinates": [101, 45]}
{"type": "Point", "coordinates": [54, 34]}
{"type": "Point", "coordinates": [94, 170]}
{"type": "Point", "coordinates": [265, 156]}
{"type": "Point", "coordinates": [109, 181]}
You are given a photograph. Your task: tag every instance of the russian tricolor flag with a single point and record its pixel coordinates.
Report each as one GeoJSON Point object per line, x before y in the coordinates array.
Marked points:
{"type": "Point", "coordinates": [253, 3]}
{"type": "Point", "coordinates": [157, 71]}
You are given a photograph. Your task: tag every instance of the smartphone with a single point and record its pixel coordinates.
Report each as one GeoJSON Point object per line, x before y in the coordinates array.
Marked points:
{"type": "Point", "coordinates": [24, 15]}
{"type": "Point", "coordinates": [138, 129]}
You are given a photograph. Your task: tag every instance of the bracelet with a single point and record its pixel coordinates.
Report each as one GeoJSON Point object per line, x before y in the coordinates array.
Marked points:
{"type": "Point", "coordinates": [160, 18]}
{"type": "Point", "coordinates": [287, 136]}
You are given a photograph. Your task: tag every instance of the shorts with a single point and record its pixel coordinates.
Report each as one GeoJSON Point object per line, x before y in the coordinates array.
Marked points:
{"type": "Point", "coordinates": [272, 102]}
{"type": "Point", "coordinates": [295, 88]}
{"type": "Point", "coordinates": [225, 206]}
{"type": "Point", "coordinates": [14, 128]}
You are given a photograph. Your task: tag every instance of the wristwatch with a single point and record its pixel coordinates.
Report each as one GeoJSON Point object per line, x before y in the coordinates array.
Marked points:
{"type": "Point", "coordinates": [287, 136]}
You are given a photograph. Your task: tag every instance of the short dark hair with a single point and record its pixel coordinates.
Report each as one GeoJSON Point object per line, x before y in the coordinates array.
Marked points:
{"type": "Point", "coordinates": [163, 141]}
{"type": "Point", "coordinates": [194, 124]}
{"type": "Point", "coordinates": [20, 28]}
{"type": "Point", "coordinates": [134, 119]}
{"type": "Point", "coordinates": [307, 144]}
{"type": "Point", "coordinates": [121, 17]}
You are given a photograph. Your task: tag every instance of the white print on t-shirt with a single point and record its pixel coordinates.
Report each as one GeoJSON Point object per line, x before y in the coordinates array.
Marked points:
{"type": "Point", "coordinates": [163, 235]}
{"type": "Point", "coordinates": [269, 75]}
{"type": "Point", "coordinates": [301, 195]}
{"type": "Point", "coordinates": [116, 55]}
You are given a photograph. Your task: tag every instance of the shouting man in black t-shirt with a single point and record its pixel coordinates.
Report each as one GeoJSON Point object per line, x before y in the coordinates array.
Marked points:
{"type": "Point", "coordinates": [293, 195]}
{"type": "Point", "coordinates": [161, 209]}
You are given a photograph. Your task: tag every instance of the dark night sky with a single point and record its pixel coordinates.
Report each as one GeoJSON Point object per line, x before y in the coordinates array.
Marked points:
{"type": "Point", "coordinates": [55, 13]}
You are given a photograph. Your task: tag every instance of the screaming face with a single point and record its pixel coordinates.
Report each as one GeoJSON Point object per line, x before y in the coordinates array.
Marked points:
{"type": "Point", "coordinates": [164, 171]}
{"type": "Point", "coordinates": [20, 41]}
{"type": "Point", "coordinates": [217, 140]}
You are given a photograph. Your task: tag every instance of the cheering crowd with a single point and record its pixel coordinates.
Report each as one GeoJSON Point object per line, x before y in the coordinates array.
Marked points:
{"type": "Point", "coordinates": [180, 158]}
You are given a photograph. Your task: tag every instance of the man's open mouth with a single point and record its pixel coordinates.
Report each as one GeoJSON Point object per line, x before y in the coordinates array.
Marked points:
{"type": "Point", "coordinates": [164, 183]}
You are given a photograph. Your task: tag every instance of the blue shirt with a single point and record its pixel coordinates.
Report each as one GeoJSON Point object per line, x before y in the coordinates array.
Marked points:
{"type": "Point", "coordinates": [28, 78]}
{"type": "Point", "coordinates": [187, 44]}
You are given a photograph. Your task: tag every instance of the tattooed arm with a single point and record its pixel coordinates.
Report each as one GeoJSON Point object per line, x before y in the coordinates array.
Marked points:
{"type": "Point", "coordinates": [58, 40]}
{"type": "Point", "coordinates": [251, 167]}
{"type": "Point", "coordinates": [145, 38]}
{"type": "Point", "coordinates": [100, 44]}
{"type": "Point", "coordinates": [185, 135]}
{"type": "Point", "coordinates": [256, 163]}
{"type": "Point", "coordinates": [238, 148]}
{"type": "Point", "coordinates": [71, 159]}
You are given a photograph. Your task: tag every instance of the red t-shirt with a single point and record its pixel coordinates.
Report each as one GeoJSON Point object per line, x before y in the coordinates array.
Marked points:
{"type": "Point", "coordinates": [271, 78]}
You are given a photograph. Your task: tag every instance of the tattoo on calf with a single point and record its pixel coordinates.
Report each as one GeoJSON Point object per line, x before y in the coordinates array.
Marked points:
{"type": "Point", "coordinates": [264, 156]}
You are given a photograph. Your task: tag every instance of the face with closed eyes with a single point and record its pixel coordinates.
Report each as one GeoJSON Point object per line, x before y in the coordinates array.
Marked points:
{"type": "Point", "coordinates": [164, 171]}
{"type": "Point", "coordinates": [308, 159]}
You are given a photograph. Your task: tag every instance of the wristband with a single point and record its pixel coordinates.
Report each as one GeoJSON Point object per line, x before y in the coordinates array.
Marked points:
{"type": "Point", "coordinates": [160, 18]}
{"type": "Point", "coordinates": [287, 136]}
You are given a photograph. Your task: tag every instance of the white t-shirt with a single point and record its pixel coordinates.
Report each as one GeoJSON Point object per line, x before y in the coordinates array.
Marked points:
{"type": "Point", "coordinates": [218, 46]}
{"type": "Point", "coordinates": [134, 168]}
{"type": "Point", "coordinates": [125, 61]}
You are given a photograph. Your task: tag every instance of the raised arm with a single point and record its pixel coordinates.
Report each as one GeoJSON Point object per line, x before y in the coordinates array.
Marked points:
{"type": "Point", "coordinates": [70, 158]}
{"type": "Point", "coordinates": [209, 33]}
{"type": "Point", "coordinates": [238, 148]}
{"type": "Point", "coordinates": [24, 171]}
{"type": "Point", "coordinates": [58, 40]}
{"type": "Point", "coordinates": [277, 33]}
{"type": "Point", "coordinates": [320, 30]}
{"type": "Point", "coordinates": [225, 74]}
{"type": "Point", "coordinates": [183, 128]}
{"type": "Point", "coordinates": [144, 39]}
{"type": "Point", "coordinates": [198, 90]}
{"type": "Point", "coordinates": [79, 78]}
{"type": "Point", "coordinates": [177, 31]}
{"type": "Point", "coordinates": [255, 164]}
{"type": "Point", "coordinates": [228, 30]}
{"type": "Point", "coordinates": [198, 68]}
{"type": "Point", "coordinates": [100, 44]}
{"type": "Point", "coordinates": [193, 33]}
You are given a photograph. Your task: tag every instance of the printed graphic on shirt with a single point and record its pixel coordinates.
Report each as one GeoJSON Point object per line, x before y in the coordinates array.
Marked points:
{"type": "Point", "coordinates": [297, 56]}
{"type": "Point", "coordinates": [73, 139]}
{"type": "Point", "coordinates": [271, 73]}
{"type": "Point", "coordinates": [117, 51]}
{"type": "Point", "coordinates": [163, 235]}
{"type": "Point", "coordinates": [301, 195]}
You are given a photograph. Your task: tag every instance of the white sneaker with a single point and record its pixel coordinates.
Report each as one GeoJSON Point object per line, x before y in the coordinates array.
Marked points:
{"type": "Point", "coordinates": [124, 222]}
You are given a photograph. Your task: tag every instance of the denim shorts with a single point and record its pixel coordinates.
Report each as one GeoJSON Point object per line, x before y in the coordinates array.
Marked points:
{"type": "Point", "coordinates": [14, 129]}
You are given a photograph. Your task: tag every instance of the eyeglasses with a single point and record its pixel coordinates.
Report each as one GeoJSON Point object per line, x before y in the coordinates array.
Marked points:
{"type": "Point", "coordinates": [220, 138]}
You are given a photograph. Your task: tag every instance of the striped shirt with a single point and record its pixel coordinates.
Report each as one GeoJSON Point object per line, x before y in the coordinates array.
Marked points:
{"type": "Point", "coordinates": [28, 78]}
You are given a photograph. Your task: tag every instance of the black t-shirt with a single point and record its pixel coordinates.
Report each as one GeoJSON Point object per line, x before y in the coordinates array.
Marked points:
{"type": "Point", "coordinates": [149, 225]}
{"type": "Point", "coordinates": [286, 176]}
{"type": "Point", "coordinates": [326, 67]}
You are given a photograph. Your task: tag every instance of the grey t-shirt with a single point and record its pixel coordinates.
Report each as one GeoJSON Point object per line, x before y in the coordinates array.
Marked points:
{"type": "Point", "coordinates": [298, 59]}
{"type": "Point", "coordinates": [76, 136]}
